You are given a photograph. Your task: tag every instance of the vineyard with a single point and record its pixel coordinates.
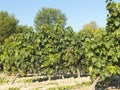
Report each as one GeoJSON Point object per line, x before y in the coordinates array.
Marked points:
{"type": "Point", "coordinates": [54, 49]}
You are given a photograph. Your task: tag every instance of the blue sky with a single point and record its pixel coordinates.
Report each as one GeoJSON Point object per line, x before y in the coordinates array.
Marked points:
{"type": "Point", "coordinates": [78, 12]}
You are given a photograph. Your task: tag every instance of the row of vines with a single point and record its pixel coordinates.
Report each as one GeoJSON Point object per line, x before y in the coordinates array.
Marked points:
{"type": "Point", "coordinates": [55, 49]}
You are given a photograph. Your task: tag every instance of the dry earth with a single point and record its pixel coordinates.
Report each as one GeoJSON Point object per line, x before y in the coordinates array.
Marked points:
{"type": "Point", "coordinates": [44, 85]}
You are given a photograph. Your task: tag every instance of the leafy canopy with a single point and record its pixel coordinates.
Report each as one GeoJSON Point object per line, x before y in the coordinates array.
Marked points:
{"type": "Point", "coordinates": [49, 17]}
{"type": "Point", "coordinates": [8, 24]}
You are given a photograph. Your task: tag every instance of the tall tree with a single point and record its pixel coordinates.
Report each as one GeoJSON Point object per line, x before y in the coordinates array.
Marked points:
{"type": "Point", "coordinates": [8, 25]}
{"type": "Point", "coordinates": [49, 17]}
{"type": "Point", "coordinates": [90, 26]}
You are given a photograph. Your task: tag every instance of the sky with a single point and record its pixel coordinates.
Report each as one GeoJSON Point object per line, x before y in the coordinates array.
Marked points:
{"type": "Point", "coordinates": [78, 12]}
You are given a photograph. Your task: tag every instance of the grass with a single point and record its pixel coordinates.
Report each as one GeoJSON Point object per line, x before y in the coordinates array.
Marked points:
{"type": "Point", "coordinates": [61, 88]}
{"type": "Point", "coordinates": [13, 88]}
{"type": "Point", "coordinates": [86, 83]}
{"type": "Point", "coordinates": [52, 83]}
{"type": "Point", "coordinates": [3, 80]}
{"type": "Point", "coordinates": [26, 80]}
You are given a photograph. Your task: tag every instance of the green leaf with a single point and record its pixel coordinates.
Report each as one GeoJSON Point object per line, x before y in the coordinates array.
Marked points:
{"type": "Point", "coordinates": [111, 69]}
{"type": "Point", "coordinates": [118, 70]}
{"type": "Point", "coordinates": [117, 23]}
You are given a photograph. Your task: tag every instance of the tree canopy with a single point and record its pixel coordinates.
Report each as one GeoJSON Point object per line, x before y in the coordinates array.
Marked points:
{"type": "Point", "coordinates": [8, 24]}
{"type": "Point", "coordinates": [49, 17]}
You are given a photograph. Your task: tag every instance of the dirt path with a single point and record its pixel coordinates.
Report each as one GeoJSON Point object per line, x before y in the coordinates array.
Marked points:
{"type": "Point", "coordinates": [44, 85]}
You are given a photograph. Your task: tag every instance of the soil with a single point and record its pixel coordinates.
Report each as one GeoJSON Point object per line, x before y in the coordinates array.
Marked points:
{"type": "Point", "coordinates": [41, 83]}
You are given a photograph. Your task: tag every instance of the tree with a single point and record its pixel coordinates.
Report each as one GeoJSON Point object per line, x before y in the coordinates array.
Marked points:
{"type": "Point", "coordinates": [113, 20]}
{"type": "Point", "coordinates": [18, 53]}
{"type": "Point", "coordinates": [8, 24]}
{"type": "Point", "coordinates": [70, 58]}
{"type": "Point", "coordinates": [50, 48]}
{"type": "Point", "coordinates": [21, 28]}
{"type": "Point", "coordinates": [66, 59]}
{"type": "Point", "coordinates": [90, 26]}
{"type": "Point", "coordinates": [49, 17]}
{"type": "Point", "coordinates": [101, 50]}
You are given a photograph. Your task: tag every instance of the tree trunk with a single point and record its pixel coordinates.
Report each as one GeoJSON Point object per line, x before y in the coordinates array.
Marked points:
{"type": "Point", "coordinates": [62, 75]}
{"type": "Point", "coordinates": [13, 81]}
{"type": "Point", "coordinates": [49, 77]}
{"type": "Point", "coordinates": [78, 73]}
{"type": "Point", "coordinates": [94, 83]}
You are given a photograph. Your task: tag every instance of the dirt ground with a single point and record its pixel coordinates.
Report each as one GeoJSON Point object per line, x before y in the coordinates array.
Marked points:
{"type": "Point", "coordinates": [44, 85]}
{"type": "Point", "coordinates": [36, 83]}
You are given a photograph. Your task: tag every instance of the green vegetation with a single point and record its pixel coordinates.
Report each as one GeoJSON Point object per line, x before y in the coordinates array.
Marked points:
{"type": "Point", "coordinates": [8, 25]}
{"type": "Point", "coordinates": [61, 88]}
{"type": "Point", "coordinates": [86, 83]}
{"type": "Point", "coordinates": [49, 17]}
{"type": "Point", "coordinates": [55, 49]}
{"type": "Point", "coordinates": [3, 80]}
{"type": "Point", "coordinates": [27, 80]}
{"type": "Point", "coordinates": [13, 88]}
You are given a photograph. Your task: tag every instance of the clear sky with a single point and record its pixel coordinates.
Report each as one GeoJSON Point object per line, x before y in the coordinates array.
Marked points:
{"type": "Point", "coordinates": [78, 12]}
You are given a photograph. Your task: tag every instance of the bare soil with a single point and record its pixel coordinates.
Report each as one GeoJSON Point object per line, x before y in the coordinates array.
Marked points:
{"type": "Point", "coordinates": [44, 85]}
{"type": "Point", "coordinates": [41, 83]}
